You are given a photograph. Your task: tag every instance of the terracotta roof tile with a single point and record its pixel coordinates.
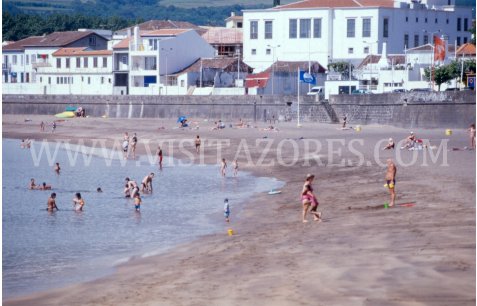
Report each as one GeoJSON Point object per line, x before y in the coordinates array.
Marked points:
{"type": "Point", "coordinates": [81, 51]}
{"type": "Point", "coordinates": [218, 35]}
{"type": "Point", "coordinates": [335, 3]}
{"type": "Point", "coordinates": [466, 49]}
{"type": "Point", "coordinates": [20, 44]}
{"type": "Point", "coordinates": [152, 25]}
{"type": "Point", "coordinates": [164, 32]}
{"type": "Point", "coordinates": [60, 39]}
{"type": "Point", "coordinates": [123, 44]}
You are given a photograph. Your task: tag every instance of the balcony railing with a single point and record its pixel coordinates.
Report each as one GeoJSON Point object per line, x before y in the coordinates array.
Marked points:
{"type": "Point", "coordinates": [41, 64]}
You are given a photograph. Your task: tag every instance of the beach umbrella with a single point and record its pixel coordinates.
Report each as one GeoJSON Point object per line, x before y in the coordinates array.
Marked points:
{"type": "Point", "coordinates": [181, 118]}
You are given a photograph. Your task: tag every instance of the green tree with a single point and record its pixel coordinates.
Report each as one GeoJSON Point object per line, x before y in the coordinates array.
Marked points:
{"type": "Point", "coordinates": [440, 75]}
{"type": "Point", "coordinates": [341, 67]}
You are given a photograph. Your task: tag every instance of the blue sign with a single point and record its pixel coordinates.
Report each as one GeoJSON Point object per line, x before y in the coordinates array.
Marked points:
{"type": "Point", "coordinates": [471, 82]}
{"type": "Point", "coordinates": [307, 77]}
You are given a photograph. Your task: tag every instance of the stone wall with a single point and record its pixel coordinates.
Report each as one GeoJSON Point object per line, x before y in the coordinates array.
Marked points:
{"type": "Point", "coordinates": [418, 109]}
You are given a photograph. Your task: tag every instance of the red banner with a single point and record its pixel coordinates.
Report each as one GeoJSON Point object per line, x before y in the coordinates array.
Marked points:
{"type": "Point", "coordinates": [439, 49]}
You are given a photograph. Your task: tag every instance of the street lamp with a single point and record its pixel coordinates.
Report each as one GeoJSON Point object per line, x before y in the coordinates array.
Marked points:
{"type": "Point", "coordinates": [432, 57]}
{"type": "Point", "coordinates": [273, 63]}
{"type": "Point", "coordinates": [166, 51]}
{"type": "Point", "coordinates": [370, 43]}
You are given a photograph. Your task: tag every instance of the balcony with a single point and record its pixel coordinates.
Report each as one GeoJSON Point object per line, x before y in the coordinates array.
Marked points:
{"type": "Point", "coordinates": [6, 67]}
{"type": "Point", "coordinates": [40, 64]}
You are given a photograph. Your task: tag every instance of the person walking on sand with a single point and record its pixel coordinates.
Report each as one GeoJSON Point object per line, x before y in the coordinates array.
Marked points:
{"type": "Point", "coordinates": [223, 166]}
{"type": "Point", "coordinates": [42, 126]}
{"type": "Point", "coordinates": [78, 202]}
{"type": "Point", "coordinates": [53, 127]}
{"type": "Point", "coordinates": [159, 156]}
{"type": "Point", "coordinates": [125, 145]}
{"type": "Point", "coordinates": [235, 165]}
{"type": "Point", "coordinates": [226, 210]}
{"type": "Point", "coordinates": [472, 136]}
{"type": "Point", "coordinates": [345, 120]}
{"type": "Point", "coordinates": [391, 180]}
{"type": "Point", "coordinates": [309, 199]}
{"type": "Point", "coordinates": [133, 145]}
{"type": "Point", "coordinates": [52, 202]}
{"type": "Point", "coordinates": [197, 144]}
{"type": "Point", "coordinates": [137, 202]}
{"type": "Point", "coordinates": [57, 168]}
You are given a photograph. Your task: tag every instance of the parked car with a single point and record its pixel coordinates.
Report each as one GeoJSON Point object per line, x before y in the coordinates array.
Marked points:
{"type": "Point", "coordinates": [361, 92]}
{"type": "Point", "coordinates": [467, 88]}
{"type": "Point", "coordinates": [452, 89]}
{"type": "Point", "coordinates": [399, 90]}
{"type": "Point", "coordinates": [316, 90]}
{"type": "Point", "coordinates": [421, 89]}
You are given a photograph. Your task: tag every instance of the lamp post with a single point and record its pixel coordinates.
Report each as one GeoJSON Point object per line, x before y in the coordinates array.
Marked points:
{"type": "Point", "coordinates": [370, 43]}
{"type": "Point", "coordinates": [432, 57]}
{"type": "Point", "coordinates": [273, 63]}
{"type": "Point", "coordinates": [166, 51]}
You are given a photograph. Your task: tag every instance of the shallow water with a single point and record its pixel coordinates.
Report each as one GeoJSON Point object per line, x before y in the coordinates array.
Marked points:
{"type": "Point", "coordinates": [44, 250]}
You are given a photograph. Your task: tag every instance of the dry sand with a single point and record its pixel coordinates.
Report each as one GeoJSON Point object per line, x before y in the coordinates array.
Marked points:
{"type": "Point", "coordinates": [361, 254]}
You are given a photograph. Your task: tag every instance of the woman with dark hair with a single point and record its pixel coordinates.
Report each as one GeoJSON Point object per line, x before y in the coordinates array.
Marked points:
{"type": "Point", "coordinates": [78, 202]}
{"type": "Point", "coordinates": [308, 199]}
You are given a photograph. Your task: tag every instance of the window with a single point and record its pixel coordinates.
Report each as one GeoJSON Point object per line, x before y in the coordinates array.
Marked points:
{"type": "Point", "coordinates": [92, 40]}
{"type": "Point", "coordinates": [89, 80]}
{"type": "Point", "coordinates": [425, 20]}
{"type": "Point", "coordinates": [417, 19]}
{"type": "Point", "coordinates": [458, 40]}
{"type": "Point", "coordinates": [105, 62]}
{"type": "Point", "coordinates": [27, 60]}
{"type": "Point", "coordinates": [350, 23]}
{"type": "Point", "coordinates": [268, 29]}
{"type": "Point", "coordinates": [57, 80]}
{"type": "Point", "coordinates": [49, 80]}
{"type": "Point", "coordinates": [95, 62]}
{"type": "Point", "coordinates": [78, 62]}
{"type": "Point", "coordinates": [416, 40]}
{"type": "Point", "coordinates": [436, 20]}
{"type": "Point", "coordinates": [109, 80]}
{"type": "Point", "coordinates": [239, 25]}
{"type": "Point", "coordinates": [268, 51]}
{"type": "Point", "coordinates": [253, 29]}
{"type": "Point", "coordinates": [82, 79]}
{"type": "Point", "coordinates": [406, 41]}
{"type": "Point", "coordinates": [67, 63]}
{"type": "Point", "coordinates": [71, 80]}
{"type": "Point", "coordinates": [366, 50]}
{"type": "Point", "coordinates": [385, 27]}
{"type": "Point", "coordinates": [182, 83]}
{"type": "Point", "coordinates": [254, 51]}
{"type": "Point", "coordinates": [14, 60]}
{"type": "Point", "coordinates": [102, 80]}
{"type": "Point", "coordinates": [41, 80]}
{"type": "Point", "coordinates": [317, 28]}
{"type": "Point", "coordinates": [124, 59]}
{"type": "Point", "coordinates": [58, 63]}
{"type": "Point", "coordinates": [425, 39]}
{"type": "Point", "coordinates": [447, 21]}
{"type": "Point", "coordinates": [407, 19]}
{"type": "Point", "coordinates": [350, 50]}
{"type": "Point", "coordinates": [85, 62]}
{"type": "Point", "coordinates": [292, 29]}
{"type": "Point", "coordinates": [466, 24]}
{"type": "Point", "coordinates": [305, 28]}
{"type": "Point", "coordinates": [21, 60]}
{"type": "Point", "coordinates": [465, 40]}
{"type": "Point", "coordinates": [459, 26]}
{"type": "Point", "coordinates": [366, 27]}
{"type": "Point", "coordinates": [33, 58]}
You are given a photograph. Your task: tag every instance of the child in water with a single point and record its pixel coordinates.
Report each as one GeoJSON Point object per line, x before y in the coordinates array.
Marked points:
{"type": "Point", "coordinates": [223, 166]}
{"type": "Point", "coordinates": [78, 202]}
{"type": "Point", "coordinates": [137, 201]}
{"type": "Point", "coordinates": [226, 210]}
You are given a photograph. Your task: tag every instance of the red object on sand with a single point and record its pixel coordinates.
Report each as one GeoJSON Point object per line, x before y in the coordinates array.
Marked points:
{"type": "Point", "coordinates": [407, 205]}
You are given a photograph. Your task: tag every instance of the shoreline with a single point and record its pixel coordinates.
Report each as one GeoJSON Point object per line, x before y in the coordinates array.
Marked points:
{"type": "Point", "coordinates": [275, 259]}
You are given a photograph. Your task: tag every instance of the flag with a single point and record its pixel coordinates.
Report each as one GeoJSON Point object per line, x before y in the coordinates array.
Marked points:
{"type": "Point", "coordinates": [307, 77]}
{"type": "Point", "coordinates": [439, 49]}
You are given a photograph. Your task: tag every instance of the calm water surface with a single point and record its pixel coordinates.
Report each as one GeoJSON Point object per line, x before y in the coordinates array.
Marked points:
{"type": "Point", "coordinates": [44, 250]}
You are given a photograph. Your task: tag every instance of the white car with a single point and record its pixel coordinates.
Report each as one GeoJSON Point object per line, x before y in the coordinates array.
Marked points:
{"type": "Point", "coordinates": [316, 90]}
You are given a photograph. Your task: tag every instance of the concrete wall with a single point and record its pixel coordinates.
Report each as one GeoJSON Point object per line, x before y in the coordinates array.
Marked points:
{"type": "Point", "coordinates": [412, 109]}
{"type": "Point", "coordinates": [418, 109]}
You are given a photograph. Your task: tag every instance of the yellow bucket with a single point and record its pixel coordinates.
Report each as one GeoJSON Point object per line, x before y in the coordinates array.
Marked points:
{"type": "Point", "coordinates": [448, 132]}
{"type": "Point", "coordinates": [358, 128]}
{"type": "Point", "coordinates": [230, 231]}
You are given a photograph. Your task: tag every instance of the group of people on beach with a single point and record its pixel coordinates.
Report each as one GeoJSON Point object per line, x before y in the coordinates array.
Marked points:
{"type": "Point", "coordinates": [129, 145]}
{"type": "Point", "coordinates": [223, 167]}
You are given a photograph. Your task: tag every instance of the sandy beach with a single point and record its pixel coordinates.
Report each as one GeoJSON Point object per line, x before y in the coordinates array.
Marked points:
{"type": "Point", "coordinates": [361, 254]}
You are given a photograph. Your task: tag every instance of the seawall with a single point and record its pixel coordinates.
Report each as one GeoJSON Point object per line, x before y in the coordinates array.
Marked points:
{"type": "Point", "coordinates": [423, 109]}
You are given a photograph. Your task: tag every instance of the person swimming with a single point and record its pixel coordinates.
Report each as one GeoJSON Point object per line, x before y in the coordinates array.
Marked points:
{"type": "Point", "coordinates": [32, 184]}
{"type": "Point", "coordinates": [44, 186]}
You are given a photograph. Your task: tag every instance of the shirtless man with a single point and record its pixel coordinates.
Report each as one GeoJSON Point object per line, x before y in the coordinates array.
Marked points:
{"type": "Point", "coordinates": [146, 185]}
{"type": "Point", "coordinates": [32, 184]}
{"type": "Point", "coordinates": [159, 156]}
{"type": "Point", "coordinates": [57, 168]}
{"type": "Point", "coordinates": [391, 180]}
{"type": "Point", "coordinates": [132, 187]}
{"type": "Point", "coordinates": [52, 203]}
{"type": "Point", "coordinates": [133, 145]}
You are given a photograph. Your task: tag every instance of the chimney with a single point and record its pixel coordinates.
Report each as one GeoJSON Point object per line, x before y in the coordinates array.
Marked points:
{"type": "Point", "coordinates": [383, 61]}
{"type": "Point", "coordinates": [232, 14]}
{"type": "Point", "coordinates": [136, 38]}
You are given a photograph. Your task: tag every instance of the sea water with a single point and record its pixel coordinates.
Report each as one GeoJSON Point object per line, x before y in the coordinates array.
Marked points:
{"type": "Point", "coordinates": [43, 250]}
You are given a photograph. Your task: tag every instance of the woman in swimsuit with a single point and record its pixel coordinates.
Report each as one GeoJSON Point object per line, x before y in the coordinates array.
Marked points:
{"type": "Point", "coordinates": [197, 144]}
{"type": "Point", "coordinates": [308, 199]}
{"type": "Point", "coordinates": [78, 202]}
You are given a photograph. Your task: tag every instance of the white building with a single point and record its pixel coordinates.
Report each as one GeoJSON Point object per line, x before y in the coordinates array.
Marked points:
{"type": "Point", "coordinates": [347, 30]}
{"type": "Point", "coordinates": [155, 56]}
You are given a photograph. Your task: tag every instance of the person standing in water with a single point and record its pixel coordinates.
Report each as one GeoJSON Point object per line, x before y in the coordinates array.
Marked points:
{"type": "Point", "coordinates": [391, 180]}
{"type": "Point", "coordinates": [197, 144]}
{"type": "Point", "coordinates": [52, 202]}
{"type": "Point", "coordinates": [78, 202]}
{"type": "Point", "coordinates": [137, 202]}
{"type": "Point", "coordinates": [223, 166]}
{"type": "Point", "coordinates": [235, 165]}
{"type": "Point", "coordinates": [32, 184]}
{"type": "Point", "coordinates": [159, 156]}
{"type": "Point", "coordinates": [125, 145]}
{"type": "Point", "coordinates": [472, 136]}
{"type": "Point", "coordinates": [57, 168]}
{"type": "Point", "coordinates": [133, 145]}
{"type": "Point", "coordinates": [146, 184]}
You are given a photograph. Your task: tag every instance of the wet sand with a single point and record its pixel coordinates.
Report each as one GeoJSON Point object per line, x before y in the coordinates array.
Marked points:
{"type": "Point", "coordinates": [361, 254]}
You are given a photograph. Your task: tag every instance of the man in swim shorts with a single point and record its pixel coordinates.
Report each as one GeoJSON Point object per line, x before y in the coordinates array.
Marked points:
{"type": "Point", "coordinates": [137, 201]}
{"type": "Point", "coordinates": [52, 202]}
{"type": "Point", "coordinates": [146, 185]}
{"type": "Point", "coordinates": [391, 180]}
